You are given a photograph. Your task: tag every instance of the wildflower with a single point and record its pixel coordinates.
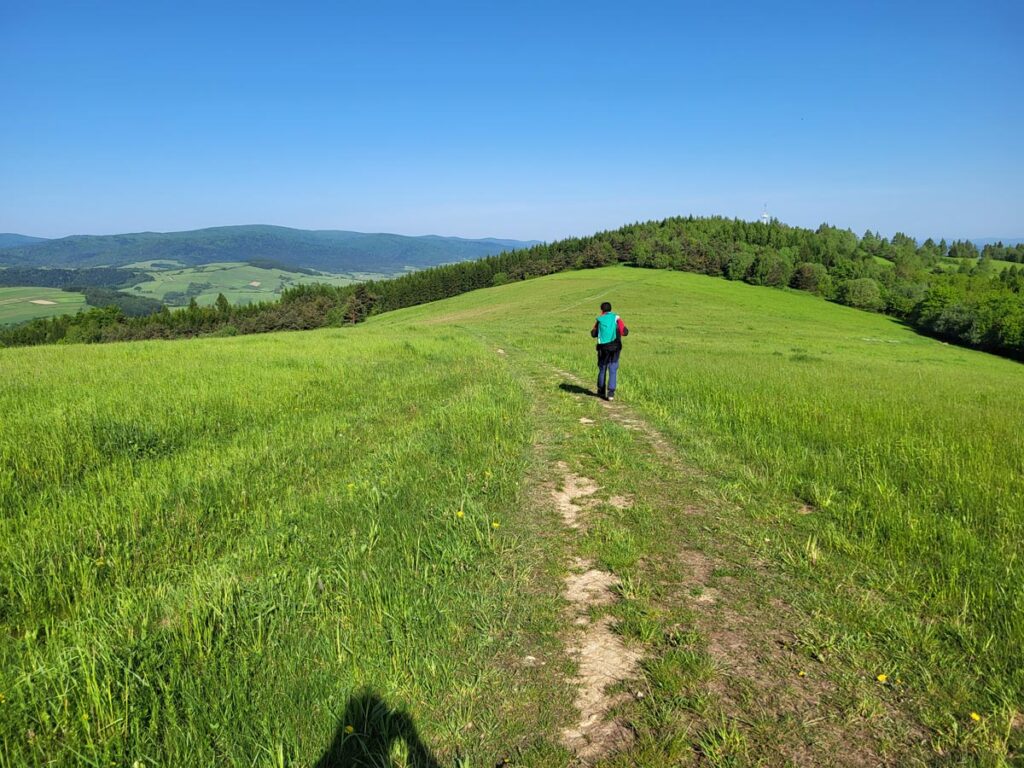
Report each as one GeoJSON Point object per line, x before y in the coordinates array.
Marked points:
{"type": "Point", "coordinates": [349, 729]}
{"type": "Point", "coordinates": [460, 513]}
{"type": "Point", "coordinates": [487, 474]}
{"type": "Point", "coordinates": [495, 524]}
{"type": "Point", "coordinates": [975, 717]}
{"type": "Point", "coordinates": [2, 698]}
{"type": "Point", "coordinates": [882, 678]}
{"type": "Point", "coordinates": [801, 673]}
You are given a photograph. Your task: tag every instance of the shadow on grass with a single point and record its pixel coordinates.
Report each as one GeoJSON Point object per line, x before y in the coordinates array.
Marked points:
{"type": "Point", "coordinates": [575, 389]}
{"type": "Point", "coordinates": [370, 733]}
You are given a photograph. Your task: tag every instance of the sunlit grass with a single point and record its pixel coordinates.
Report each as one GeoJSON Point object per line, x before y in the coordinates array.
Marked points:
{"type": "Point", "coordinates": [884, 467]}
{"type": "Point", "coordinates": [211, 546]}
{"type": "Point", "coordinates": [208, 546]}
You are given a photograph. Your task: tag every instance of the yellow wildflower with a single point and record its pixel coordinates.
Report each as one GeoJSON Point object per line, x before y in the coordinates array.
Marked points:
{"type": "Point", "coordinates": [975, 717]}
{"type": "Point", "coordinates": [882, 678]}
{"type": "Point", "coordinates": [495, 524]}
{"type": "Point", "coordinates": [349, 729]}
{"type": "Point", "coordinates": [460, 513]}
{"type": "Point", "coordinates": [801, 673]}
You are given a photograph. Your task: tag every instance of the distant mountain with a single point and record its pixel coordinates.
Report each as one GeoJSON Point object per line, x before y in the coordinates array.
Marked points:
{"type": "Point", "coordinates": [11, 240]}
{"type": "Point", "coordinates": [325, 250]}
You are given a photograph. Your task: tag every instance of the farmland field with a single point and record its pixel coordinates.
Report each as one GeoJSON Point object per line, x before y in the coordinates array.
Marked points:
{"type": "Point", "coordinates": [263, 550]}
{"type": "Point", "coordinates": [240, 283]}
{"type": "Point", "coordinates": [18, 305]}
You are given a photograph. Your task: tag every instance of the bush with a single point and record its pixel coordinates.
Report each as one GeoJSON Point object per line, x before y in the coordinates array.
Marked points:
{"type": "Point", "coordinates": [862, 293]}
{"type": "Point", "coordinates": [813, 278]}
{"type": "Point", "coordinates": [770, 268]}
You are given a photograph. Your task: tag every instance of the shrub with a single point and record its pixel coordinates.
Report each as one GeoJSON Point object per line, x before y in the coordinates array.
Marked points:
{"type": "Point", "coordinates": [862, 293]}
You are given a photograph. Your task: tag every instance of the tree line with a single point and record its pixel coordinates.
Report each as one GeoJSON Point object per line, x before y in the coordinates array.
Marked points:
{"type": "Point", "coordinates": [969, 302]}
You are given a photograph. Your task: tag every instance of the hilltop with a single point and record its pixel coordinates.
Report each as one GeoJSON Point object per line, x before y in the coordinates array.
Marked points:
{"type": "Point", "coordinates": [324, 250]}
{"type": "Point", "coordinates": [792, 539]}
{"type": "Point", "coordinates": [12, 240]}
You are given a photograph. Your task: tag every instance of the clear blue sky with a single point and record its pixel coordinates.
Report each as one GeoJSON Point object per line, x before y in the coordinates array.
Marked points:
{"type": "Point", "coordinates": [513, 119]}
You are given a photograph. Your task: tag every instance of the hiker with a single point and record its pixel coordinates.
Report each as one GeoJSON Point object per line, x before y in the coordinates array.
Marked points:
{"type": "Point", "coordinates": [608, 330]}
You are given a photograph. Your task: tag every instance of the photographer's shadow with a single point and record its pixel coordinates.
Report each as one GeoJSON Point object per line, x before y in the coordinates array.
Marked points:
{"type": "Point", "coordinates": [371, 733]}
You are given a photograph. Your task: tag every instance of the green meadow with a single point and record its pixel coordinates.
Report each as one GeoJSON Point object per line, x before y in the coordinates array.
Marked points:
{"type": "Point", "coordinates": [246, 551]}
{"type": "Point", "coordinates": [18, 305]}
{"type": "Point", "coordinates": [241, 283]}
{"type": "Point", "coordinates": [951, 264]}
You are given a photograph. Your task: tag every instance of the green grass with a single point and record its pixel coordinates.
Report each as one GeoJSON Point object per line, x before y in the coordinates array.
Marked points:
{"type": "Point", "coordinates": [907, 450]}
{"type": "Point", "coordinates": [951, 264]}
{"type": "Point", "coordinates": [216, 543]}
{"type": "Point", "coordinates": [233, 279]}
{"type": "Point", "coordinates": [16, 304]}
{"type": "Point", "coordinates": [214, 548]}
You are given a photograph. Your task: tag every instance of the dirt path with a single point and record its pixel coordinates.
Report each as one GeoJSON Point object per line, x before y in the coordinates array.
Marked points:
{"type": "Point", "coordinates": [754, 696]}
{"type": "Point", "coordinates": [603, 659]}
{"type": "Point", "coordinates": [760, 679]}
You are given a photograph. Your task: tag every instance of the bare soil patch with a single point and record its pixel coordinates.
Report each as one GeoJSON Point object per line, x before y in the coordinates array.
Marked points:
{"type": "Point", "coordinates": [604, 661]}
{"type": "Point", "coordinates": [43, 302]}
{"type": "Point", "coordinates": [603, 658]}
{"type": "Point", "coordinates": [573, 488]}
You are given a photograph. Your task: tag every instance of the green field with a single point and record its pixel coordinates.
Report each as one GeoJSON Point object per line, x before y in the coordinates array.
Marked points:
{"type": "Point", "coordinates": [340, 545]}
{"type": "Point", "coordinates": [240, 283]}
{"type": "Point", "coordinates": [17, 305]}
{"type": "Point", "coordinates": [951, 264]}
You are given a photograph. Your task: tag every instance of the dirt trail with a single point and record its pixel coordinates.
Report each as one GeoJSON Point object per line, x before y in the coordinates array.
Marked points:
{"type": "Point", "coordinates": [604, 659]}
{"type": "Point", "coordinates": [759, 670]}
{"type": "Point", "coordinates": [624, 417]}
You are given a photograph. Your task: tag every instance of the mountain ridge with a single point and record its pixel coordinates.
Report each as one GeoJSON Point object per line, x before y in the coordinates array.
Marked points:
{"type": "Point", "coordinates": [327, 250]}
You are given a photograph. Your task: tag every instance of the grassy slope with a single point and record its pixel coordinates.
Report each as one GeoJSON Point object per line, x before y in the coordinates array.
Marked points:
{"type": "Point", "coordinates": [211, 546]}
{"type": "Point", "coordinates": [950, 264]}
{"type": "Point", "coordinates": [232, 279]}
{"type": "Point", "coordinates": [908, 451]}
{"type": "Point", "coordinates": [192, 578]}
{"type": "Point", "coordinates": [16, 306]}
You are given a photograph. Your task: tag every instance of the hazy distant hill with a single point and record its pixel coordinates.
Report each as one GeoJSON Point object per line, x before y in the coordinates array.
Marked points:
{"type": "Point", "coordinates": [327, 250]}
{"type": "Point", "coordinates": [11, 240]}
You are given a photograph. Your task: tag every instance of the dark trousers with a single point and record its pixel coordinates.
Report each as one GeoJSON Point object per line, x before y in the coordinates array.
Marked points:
{"type": "Point", "coordinates": [607, 368]}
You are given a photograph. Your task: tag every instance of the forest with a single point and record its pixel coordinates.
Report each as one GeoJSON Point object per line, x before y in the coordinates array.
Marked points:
{"type": "Point", "coordinates": [970, 302]}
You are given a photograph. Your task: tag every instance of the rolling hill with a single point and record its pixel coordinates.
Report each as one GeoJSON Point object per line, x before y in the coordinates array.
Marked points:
{"type": "Point", "coordinates": [792, 540]}
{"type": "Point", "coordinates": [11, 240]}
{"type": "Point", "coordinates": [325, 250]}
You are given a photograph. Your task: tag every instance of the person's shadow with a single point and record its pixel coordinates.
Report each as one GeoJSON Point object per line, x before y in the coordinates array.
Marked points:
{"type": "Point", "coordinates": [369, 731]}
{"type": "Point", "coordinates": [576, 389]}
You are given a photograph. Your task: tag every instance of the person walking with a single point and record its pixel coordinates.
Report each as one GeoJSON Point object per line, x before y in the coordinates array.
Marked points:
{"type": "Point", "coordinates": [608, 330]}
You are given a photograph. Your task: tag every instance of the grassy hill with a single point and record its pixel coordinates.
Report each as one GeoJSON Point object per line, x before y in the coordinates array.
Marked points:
{"type": "Point", "coordinates": [292, 548]}
{"type": "Point", "coordinates": [325, 250]}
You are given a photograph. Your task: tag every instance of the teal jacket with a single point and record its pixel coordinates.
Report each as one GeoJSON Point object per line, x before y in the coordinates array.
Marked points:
{"type": "Point", "coordinates": [609, 330]}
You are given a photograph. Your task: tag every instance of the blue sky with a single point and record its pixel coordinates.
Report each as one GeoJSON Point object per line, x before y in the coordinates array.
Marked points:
{"type": "Point", "coordinates": [513, 119]}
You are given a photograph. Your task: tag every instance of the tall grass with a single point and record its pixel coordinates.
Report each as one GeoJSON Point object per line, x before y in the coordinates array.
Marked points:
{"type": "Point", "coordinates": [210, 546]}
{"type": "Point", "coordinates": [885, 468]}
